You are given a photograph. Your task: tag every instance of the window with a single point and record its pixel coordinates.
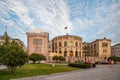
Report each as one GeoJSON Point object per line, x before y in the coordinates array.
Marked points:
{"type": "Point", "coordinates": [76, 53]}
{"type": "Point", "coordinates": [104, 44]}
{"type": "Point", "coordinates": [60, 52]}
{"type": "Point", "coordinates": [37, 41]}
{"type": "Point", "coordinates": [65, 44]}
{"type": "Point", "coordinates": [94, 45]}
{"type": "Point", "coordinates": [79, 44]}
{"type": "Point", "coordinates": [65, 49]}
{"type": "Point", "coordinates": [104, 51]}
{"type": "Point", "coordinates": [60, 44]}
{"type": "Point", "coordinates": [55, 45]}
{"type": "Point", "coordinates": [91, 46]}
{"type": "Point", "coordinates": [65, 53]}
{"type": "Point", "coordinates": [59, 49]}
{"type": "Point", "coordinates": [76, 44]}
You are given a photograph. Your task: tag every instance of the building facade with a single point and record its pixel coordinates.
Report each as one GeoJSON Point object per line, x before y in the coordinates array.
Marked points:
{"type": "Point", "coordinates": [37, 42]}
{"type": "Point", "coordinates": [116, 50]}
{"type": "Point", "coordinates": [18, 41]}
{"type": "Point", "coordinates": [68, 46]}
{"type": "Point", "coordinates": [99, 50]}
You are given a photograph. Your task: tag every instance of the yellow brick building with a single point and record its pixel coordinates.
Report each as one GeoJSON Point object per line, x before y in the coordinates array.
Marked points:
{"type": "Point", "coordinates": [73, 49]}
{"type": "Point", "coordinates": [68, 46]}
{"type": "Point", "coordinates": [99, 50]}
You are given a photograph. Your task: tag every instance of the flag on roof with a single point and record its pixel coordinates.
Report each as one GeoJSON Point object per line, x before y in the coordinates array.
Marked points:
{"type": "Point", "coordinates": [65, 27]}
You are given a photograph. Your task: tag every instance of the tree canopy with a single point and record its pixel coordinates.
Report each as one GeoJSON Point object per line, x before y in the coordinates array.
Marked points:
{"type": "Point", "coordinates": [114, 58]}
{"type": "Point", "coordinates": [12, 55]}
{"type": "Point", "coordinates": [58, 58]}
{"type": "Point", "coordinates": [36, 57]}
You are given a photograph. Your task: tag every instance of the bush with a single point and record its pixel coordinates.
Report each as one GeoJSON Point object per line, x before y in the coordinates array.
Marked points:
{"type": "Point", "coordinates": [79, 65]}
{"type": "Point", "coordinates": [114, 58]}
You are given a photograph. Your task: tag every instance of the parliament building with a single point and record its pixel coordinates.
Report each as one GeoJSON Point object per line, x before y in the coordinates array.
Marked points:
{"type": "Point", "coordinates": [71, 47]}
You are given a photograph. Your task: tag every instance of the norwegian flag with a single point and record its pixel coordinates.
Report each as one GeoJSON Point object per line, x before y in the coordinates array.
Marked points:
{"type": "Point", "coordinates": [65, 27]}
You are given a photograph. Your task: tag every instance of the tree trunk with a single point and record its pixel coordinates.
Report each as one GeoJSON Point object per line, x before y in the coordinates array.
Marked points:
{"type": "Point", "coordinates": [13, 70]}
{"type": "Point", "coordinates": [34, 62]}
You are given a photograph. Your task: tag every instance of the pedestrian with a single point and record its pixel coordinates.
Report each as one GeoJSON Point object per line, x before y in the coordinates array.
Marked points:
{"type": "Point", "coordinates": [93, 63]}
{"type": "Point", "coordinates": [110, 62]}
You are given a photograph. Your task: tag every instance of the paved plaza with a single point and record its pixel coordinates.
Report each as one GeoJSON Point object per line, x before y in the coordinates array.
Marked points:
{"type": "Point", "coordinates": [101, 72]}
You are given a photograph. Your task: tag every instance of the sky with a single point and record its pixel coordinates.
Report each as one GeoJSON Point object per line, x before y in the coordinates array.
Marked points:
{"type": "Point", "coordinates": [89, 19]}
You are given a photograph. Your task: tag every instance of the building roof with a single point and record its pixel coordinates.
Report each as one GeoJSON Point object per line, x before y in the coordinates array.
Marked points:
{"type": "Point", "coordinates": [66, 36]}
{"type": "Point", "coordinates": [37, 31]}
{"type": "Point", "coordinates": [118, 44]}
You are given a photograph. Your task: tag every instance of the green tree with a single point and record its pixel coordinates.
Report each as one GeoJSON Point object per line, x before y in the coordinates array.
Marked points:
{"type": "Point", "coordinates": [58, 58]}
{"type": "Point", "coordinates": [12, 56]}
{"type": "Point", "coordinates": [42, 57]}
{"type": "Point", "coordinates": [61, 58]}
{"type": "Point", "coordinates": [7, 39]}
{"type": "Point", "coordinates": [114, 58]}
{"type": "Point", "coordinates": [34, 57]}
{"type": "Point", "coordinates": [55, 58]}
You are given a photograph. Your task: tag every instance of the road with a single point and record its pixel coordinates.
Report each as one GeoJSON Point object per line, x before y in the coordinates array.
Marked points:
{"type": "Point", "coordinates": [101, 72]}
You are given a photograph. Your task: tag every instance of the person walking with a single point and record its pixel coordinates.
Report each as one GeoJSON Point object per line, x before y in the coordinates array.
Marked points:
{"type": "Point", "coordinates": [93, 63]}
{"type": "Point", "coordinates": [110, 62]}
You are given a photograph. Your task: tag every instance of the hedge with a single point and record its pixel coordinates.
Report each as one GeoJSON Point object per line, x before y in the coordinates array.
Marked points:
{"type": "Point", "coordinates": [79, 65]}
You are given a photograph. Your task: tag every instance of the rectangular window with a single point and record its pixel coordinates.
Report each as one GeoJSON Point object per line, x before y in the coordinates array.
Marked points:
{"type": "Point", "coordinates": [65, 53]}
{"type": "Point", "coordinates": [94, 45]}
{"type": "Point", "coordinates": [104, 44]}
{"type": "Point", "coordinates": [104, 51]}
{"type": "Point", "coordinates": [37, 41]}
{"type": "Point", "coordinates": [65, 44]}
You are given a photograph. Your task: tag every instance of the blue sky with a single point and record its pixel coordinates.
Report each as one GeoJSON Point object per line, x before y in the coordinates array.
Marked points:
{"type": "Point", "coordinates": [89, 19]}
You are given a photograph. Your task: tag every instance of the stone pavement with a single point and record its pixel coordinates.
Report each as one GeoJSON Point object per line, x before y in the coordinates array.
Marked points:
{"type": "Point", "coordinates": [101, 72]}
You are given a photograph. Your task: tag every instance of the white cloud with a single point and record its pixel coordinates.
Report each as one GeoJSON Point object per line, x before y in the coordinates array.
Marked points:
{"type": "Point", "coordinates": [52, 13]}
{"type": "Point", "coordinates": [107, 19]}
{"type": "Point", "coordinates": [22, 11]}
{"type": "Point", "coordinates": [11, 25]}
{"type": "Point", "coordinates": [82, 24]}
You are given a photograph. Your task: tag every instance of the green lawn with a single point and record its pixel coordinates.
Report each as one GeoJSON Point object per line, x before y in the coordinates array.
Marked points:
{"type": "Point", "coordinates": [34, 70]}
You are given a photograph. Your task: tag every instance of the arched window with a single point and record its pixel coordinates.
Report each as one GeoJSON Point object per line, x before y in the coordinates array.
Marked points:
{"type": "Point", "coordinates": [76, 53]}
{"type": "Point", "coordinates": [76, 44]}
{"type": "Point", "coordinates": [60, 52]}
{"type": "Point", "coordinates": [55, 45]}
{"type": "Point", "coordinates": [65, 53]}
{"type": "Point", "coordinates": [60, 44]}
{"type": "Point", "coordinates": [65, 43]}
{"type": "Point", "coordinates": [80, 44]}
